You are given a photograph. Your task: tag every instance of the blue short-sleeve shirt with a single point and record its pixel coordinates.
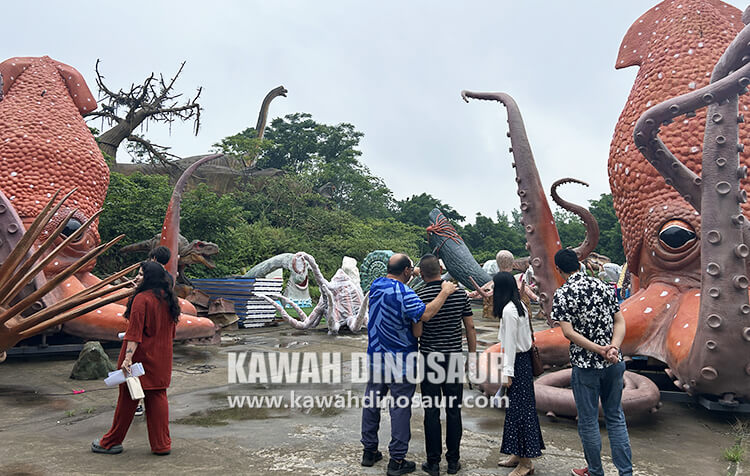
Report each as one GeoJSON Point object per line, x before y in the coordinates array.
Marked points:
{"type": "Point", "coordinates": [393, 308]}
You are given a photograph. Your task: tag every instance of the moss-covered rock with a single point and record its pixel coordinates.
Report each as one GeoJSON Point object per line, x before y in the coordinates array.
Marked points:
{"type": "Point", "coordinates": [92, 364]}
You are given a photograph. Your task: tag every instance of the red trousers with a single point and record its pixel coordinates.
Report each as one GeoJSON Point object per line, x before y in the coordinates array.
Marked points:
{"type": "Point", "coordinates": [157, 420]}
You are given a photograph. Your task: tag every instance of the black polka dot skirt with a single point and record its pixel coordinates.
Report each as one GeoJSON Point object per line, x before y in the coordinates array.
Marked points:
{"type": "Point", "coordinates": [522, 435]}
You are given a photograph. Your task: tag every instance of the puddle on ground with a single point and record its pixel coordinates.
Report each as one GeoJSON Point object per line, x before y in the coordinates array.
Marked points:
{"type": "Point", "coordinates": [247, 340]}
{"type": "Point", "coordinates": [25, 396]}
{"type": "Point", "coordinates": [484, 424]}
{"type": "Point", "coordinates": [22, 469]}
{"type": "Point", "coordinates": [290, 345]}
{"type": "Point", "coordinates": [224, 416]}
{"type": "Point", "coordinates": [294, 333]}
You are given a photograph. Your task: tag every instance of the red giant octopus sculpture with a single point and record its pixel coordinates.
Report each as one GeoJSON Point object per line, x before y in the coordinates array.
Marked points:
{"type": "Point", "coordinates": [45, 145]}
{"type": "Point", "coordinates": [682, 208]}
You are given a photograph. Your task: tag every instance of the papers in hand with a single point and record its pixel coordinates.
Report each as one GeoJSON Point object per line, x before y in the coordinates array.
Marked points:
{"type": "Point", "coordinates": [118, 376]}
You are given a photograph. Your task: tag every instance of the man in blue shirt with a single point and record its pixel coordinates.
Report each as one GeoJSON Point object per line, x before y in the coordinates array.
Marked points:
{"type": "Point", "coordinates": [394, 310]}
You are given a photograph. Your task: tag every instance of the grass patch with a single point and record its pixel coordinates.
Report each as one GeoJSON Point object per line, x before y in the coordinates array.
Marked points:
{"type": "Point", "coordinates": [293, 312]}
{"type": "Point", "coordinates": [736, 452]}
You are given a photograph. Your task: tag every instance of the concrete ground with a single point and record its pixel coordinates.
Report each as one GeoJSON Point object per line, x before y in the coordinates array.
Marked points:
{"type": "Point", "coordinates": [47, 430]}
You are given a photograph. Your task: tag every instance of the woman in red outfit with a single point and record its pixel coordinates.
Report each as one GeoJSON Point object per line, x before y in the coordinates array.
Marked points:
{"type": "Point", "coordinates": [152, 312]}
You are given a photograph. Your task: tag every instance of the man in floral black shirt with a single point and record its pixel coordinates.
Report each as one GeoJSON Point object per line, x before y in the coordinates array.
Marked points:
{"type": "Point", "coordinates": [590, 318]}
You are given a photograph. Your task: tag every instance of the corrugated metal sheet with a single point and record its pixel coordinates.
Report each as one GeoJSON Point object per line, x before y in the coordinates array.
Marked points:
{"type": "Point", "coordinates": [252, 311]}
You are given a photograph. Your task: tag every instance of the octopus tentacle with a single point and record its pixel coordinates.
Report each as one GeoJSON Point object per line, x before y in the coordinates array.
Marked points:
{"type": "Point", "coordinates": [479, 289]}
{"type": "Point", "coordinates": [355, 323]}
{"type": "Point", "coordinates": [592, 227]}
{"type": "Point", "coordinates": [717, 194]}
{"type": "Point", "coordinates": [724, 303]}
{"type": "Point", "coordinates": [296, 323]}
{"type": "Point", "coordinates": [326, 296]}
{"type": "Point", "coordinates": [541, 233]}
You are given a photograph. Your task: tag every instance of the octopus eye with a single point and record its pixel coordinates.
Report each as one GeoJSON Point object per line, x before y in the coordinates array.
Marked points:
{"type": "Point", "coordinates": [677, 236]}
{"type": "Point", "coordinates": [71, 227]}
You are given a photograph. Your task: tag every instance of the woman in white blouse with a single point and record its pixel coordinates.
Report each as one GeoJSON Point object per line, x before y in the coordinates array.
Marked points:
{"type": "Point", "coordinates": [522, 436]}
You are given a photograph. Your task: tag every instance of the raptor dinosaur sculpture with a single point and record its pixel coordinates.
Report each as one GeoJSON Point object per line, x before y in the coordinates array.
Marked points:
{"type": "Point", "coordinates": [682, 208]}
{"type": "Point", "coordinates": [45, 146]}
{"type": "Point", "coordinates": [191, 252]}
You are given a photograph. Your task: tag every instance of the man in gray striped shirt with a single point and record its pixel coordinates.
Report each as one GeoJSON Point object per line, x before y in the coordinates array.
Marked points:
{"type": "Point", "coordinates": [440, 342]}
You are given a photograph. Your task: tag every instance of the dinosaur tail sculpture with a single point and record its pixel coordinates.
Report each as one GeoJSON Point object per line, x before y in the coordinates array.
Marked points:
{"type": "Point", "coordinates": [107, 322]}
{"type": "Point", "coordinates": [170, 233]}
{"type": "Point", "coordinates": [541, 234]}
{"type": "Point", "coordinates": [448, 246]}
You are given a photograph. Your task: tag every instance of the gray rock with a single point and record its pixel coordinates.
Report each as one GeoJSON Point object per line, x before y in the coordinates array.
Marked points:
{"type": "Point", "coordinates": [92, 364]}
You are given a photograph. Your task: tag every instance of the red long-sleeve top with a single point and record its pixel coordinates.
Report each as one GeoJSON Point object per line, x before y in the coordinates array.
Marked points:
{"type": "Point", "coordinates": [151, 325]}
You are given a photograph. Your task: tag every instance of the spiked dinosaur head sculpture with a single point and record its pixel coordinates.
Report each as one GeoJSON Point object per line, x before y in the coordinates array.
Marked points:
{"type": "Point", "coordinates": [45, 146]}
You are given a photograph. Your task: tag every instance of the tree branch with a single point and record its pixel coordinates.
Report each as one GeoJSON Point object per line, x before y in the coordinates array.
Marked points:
{"type": "Point", "coordinates": [152, 99]}
{"type": "Point", "coordinates": [158, 153]}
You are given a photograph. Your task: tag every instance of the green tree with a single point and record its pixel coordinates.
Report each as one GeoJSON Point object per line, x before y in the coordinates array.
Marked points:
{"type": "Point", "coordinates": [610, 233]}
{"type": "Point", "coordinates": [570, 228]}
{"type": "Point", "coordinates": [416, 209]}
{"type": "Point", "coordinates": [486, 237]}
{"type": "Point", "coordinates": [135, 206]}
{"type": "Point", "coordinates": [325, 156]}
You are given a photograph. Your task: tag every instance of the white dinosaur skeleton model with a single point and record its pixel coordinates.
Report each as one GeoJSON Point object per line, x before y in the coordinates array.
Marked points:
{"type": "Point", "coordinates": [341, 302]}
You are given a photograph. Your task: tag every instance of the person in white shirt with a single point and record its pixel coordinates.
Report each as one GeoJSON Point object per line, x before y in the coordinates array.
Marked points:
{"type": "Point", "coordinates": [522, 436]}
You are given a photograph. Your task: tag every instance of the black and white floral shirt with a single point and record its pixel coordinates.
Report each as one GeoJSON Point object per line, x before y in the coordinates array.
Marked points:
{"type": "Point", "coordinates": [590, 306]}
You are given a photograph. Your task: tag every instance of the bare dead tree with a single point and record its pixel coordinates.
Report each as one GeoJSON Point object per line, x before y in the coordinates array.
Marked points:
{"type": "Point", "coordinates": [152, 100]}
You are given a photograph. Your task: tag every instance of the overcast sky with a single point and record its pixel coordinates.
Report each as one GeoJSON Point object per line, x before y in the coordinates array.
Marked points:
{"type": "Point", "coordinates": [393, 69]}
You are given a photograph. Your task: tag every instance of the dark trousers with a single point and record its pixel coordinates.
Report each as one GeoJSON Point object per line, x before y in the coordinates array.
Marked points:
{"type": "Point", "coordinates": [449, 395]}
{"type": "Point", "coordinates": [400, 416]}
{"type": "Point", "coordinates": [157, 419]}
